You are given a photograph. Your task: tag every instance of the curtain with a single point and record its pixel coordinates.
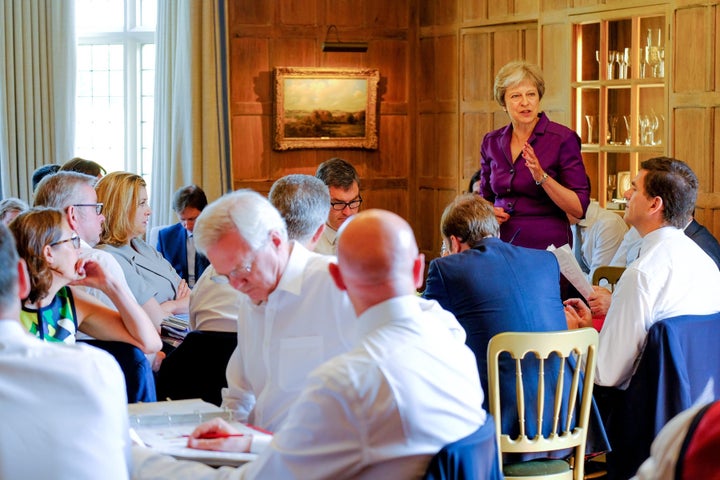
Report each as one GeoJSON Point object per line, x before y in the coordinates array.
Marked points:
{"type": "Point", "coordinates": [191, 142]}
{"type": "Point", "coordinates": [37, 89]}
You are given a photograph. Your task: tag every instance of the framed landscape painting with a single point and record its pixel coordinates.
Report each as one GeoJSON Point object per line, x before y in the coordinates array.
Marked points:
{"type": "Point", "coordinates": [325, 108]}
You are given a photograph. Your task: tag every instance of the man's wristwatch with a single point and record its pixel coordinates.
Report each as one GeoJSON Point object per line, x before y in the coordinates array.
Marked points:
{"type": "Point", "coordinates": [542, 180]}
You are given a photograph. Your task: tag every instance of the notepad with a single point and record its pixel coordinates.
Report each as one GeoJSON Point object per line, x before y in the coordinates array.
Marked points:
{"type": "Point", "coordinates": [164, 426]}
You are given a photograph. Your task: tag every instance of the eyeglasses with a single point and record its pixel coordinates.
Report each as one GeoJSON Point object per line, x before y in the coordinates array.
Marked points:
{"type": "Point", "coordinates": [98, 206]}
{"type": "Point", "coordinates": [240, 272]}
{"type": "Point", "coordinates": [75, 239]}
{"type": "Point", "coordinates": [352, 205]}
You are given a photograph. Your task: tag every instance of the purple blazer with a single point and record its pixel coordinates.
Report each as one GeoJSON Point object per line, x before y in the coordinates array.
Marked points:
{"type": "Point", "coordinates": [535, 221]}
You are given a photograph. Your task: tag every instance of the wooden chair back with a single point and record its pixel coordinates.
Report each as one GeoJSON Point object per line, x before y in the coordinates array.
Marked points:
{"type": "Point", "coordinates": [571, 406]}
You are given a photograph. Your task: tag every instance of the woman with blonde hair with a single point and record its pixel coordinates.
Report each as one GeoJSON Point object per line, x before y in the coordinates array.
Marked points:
{"type": "Point", "coordinates": [55, 309]}
{"type": "Point", "coordinates": [152, 279]}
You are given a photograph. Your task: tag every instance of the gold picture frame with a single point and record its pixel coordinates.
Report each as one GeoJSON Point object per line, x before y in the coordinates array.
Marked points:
{"type": "Point", "coordinates": [325, 108]}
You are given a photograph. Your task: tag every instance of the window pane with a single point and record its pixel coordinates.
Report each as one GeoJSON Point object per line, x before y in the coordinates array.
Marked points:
{"type": "Point", "coordinates": [147, 14]}
{"type": "Point", "coordinates": [99, 16]}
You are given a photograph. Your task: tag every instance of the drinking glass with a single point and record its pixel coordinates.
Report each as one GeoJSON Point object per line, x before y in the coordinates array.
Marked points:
{"type": "Point", "coordinates": [590, 119]}
{"type": "Point", "coordinates": [612, 55]}
{"type": "Point", "coordinates": [612, 133]}
{"type": "Point", "coordinates": [611, 186]}
{"type": "Point", "coordinates": [626, 119]}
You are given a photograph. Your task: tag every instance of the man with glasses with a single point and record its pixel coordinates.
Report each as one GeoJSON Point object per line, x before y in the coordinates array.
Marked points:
{"type": "Point", "coordinates": [344, 185]}
{"type": "Point", "coordinates": [291, 317]}
{"type": "Point", "coordinates": [74, 193]}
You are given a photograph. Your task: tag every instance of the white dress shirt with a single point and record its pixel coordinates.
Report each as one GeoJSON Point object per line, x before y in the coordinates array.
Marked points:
{"type": "Point", "coordinates": [214, 306]}
{"type": "Point", "coordinates": [628, 250]}
{"type": "Point", "coordinates": [380, 411]}
{"type": "Point", "coordinates": [64, 411]}
{"type": "Point", "coordinates": [672, 276]}
{"type": "Point", "coordinates": [327, 243]}
{"type": "Point", "coordinates": [305, 321]}
{"type": "Point", "coordinates": [602, 233]}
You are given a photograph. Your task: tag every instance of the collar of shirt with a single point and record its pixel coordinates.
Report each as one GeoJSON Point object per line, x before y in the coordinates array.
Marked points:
{"type": "Point", "coordinates": [12, 333]}
{"type": "Point", "coordinates": [331, 234]}
{"type": "Point", "coordinates": [291, 278]}
{"type": "Point", "coordinates": [655, 237]}
{"type": "Point", "coordinates": [387, 311]}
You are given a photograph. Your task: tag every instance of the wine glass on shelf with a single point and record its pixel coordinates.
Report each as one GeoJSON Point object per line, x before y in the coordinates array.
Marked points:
{"type": "Point", "coordinates": [653, 127]}
{"type": "Point", "coordinates": [623, 63]}
{"type": "Point", "coordinates": [626, 119]}
{"type": "Point", "coordinates": [612, 55]}
{"type": "Point", "coordinates": [612, 133]}
{"type": "Point", "coordinates": [590, 119]}
{"type": "Point", "coordinates": [611, 186]}
{"type": "Point", "coordinates": [644, 123]}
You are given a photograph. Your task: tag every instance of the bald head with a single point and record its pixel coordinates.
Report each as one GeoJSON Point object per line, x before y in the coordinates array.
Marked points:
{"type": "Point", "coordinates": [377, 259]}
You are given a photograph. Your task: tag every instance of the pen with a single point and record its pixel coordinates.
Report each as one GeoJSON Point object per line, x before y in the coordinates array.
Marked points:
{"type": "Point", "coordinates": [212, 435]}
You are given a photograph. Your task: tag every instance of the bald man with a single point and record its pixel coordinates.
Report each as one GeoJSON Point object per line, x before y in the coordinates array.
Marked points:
{"type": "Point", "coordinates": [407, 388]}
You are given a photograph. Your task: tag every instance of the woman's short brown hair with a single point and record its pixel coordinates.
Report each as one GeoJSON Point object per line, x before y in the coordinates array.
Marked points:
{"type": "Point", "coordinates": [515, 72]}
{"type": "Point", "coordinates": [33, 230]}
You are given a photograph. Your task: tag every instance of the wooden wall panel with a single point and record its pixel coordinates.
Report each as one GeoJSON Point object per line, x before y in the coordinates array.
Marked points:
{"type": "Point", "coordinates": [446, 61]}
{"type": "Point", "coordinates": [446, 137]}
{"type": "Point", "coordinates": [343, 13]}
{"type": "Point", "coordinates": [249, 12]}
{"type": "Point", "coordinates": [526, 7]}
{"type": "Point", "coordinates": [391, 58]}
{"type": "Point", "coordinates": [425, 80]}
{"type": "Point", "coordinates": [692, 72]}
{"type": "Point", "coordinates": [250, 57]}
{"type": "Point", "coordinates": [475, 126]}
{"type": "Point", "coordinates": [426, 145]}
{"type": "Point", "coordinates": [499, 8]}
{"type": "Point", "coordinates": [692, 131]}
{"type": "Point", "coordinates": [477, 75]}
{"type": "Point", "coordinates": [555, 51]}
{"type": "Point", "coordinates": [294, 12]}
{"type": "Point", "coordinates": [394, 158]}
{"type": "Point", "coordinates": [249, 134]}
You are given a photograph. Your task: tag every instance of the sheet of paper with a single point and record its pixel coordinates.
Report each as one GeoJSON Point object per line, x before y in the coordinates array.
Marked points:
{"type": "Point", "coordinates": [570, 268]}
{"type": "Point", "coordinates": [164, 426]}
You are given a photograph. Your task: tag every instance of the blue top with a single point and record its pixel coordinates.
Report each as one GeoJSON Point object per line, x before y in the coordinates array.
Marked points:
{"type": "Point", "coordinates": [535, 221]}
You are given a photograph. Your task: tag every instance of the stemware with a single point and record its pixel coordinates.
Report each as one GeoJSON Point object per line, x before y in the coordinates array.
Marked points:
{"type": "Point", "coordinates": [644, 122]}
{"type": "Point", "coordinates": [612, 54]}
{"type": "Point", "coordinates": [612, 133]}
{"type": "Point", "coordinates": [611, 186]}
{"type": "Point", "coordinates": [590, 119]}
{"type": "Point", "coordinates": [626, 119]}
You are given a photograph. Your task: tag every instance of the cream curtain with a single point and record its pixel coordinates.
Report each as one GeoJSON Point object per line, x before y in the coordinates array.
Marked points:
{"type": "Point", "coordinates": [37, 89]}
{"type": "Point", "coordinates": [191, 119]}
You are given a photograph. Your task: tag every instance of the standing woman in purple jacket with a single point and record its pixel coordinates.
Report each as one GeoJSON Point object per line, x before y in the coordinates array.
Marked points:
{"type": "Point", "coordinates": [531, 169]}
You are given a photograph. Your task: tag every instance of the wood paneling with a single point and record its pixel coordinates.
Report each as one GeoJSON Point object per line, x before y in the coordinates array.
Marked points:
{"type": "Point", "coordinates": [268, 34]}
{"type": "Point", "coordinates": [437, 61]}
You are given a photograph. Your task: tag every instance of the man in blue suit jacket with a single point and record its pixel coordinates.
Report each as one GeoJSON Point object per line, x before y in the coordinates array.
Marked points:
{"type": "Point", "coordinates": [173, 241]}
{"type": "Point", "coordinates": [493, 287]}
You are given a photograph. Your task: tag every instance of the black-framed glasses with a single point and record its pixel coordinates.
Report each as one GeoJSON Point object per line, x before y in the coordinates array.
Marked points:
{"type": "Point", "coordinates": [75, 239]}
{"type": "Point", "coordinates": [352, 205]}
{"type": "Point", "coordinates": [98, 206]}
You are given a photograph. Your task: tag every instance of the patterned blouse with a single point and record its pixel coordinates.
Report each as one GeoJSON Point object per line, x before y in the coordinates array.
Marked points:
{"type": "Point", "coordinates": [55, 323]}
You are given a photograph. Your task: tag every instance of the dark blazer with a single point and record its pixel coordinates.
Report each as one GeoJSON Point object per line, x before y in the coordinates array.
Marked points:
{"type": "Point", "coordinates": [172, 245]}
{"type": "Point", "coordinates": [497, 287]}
{"type": "Point", "coordinates": [702, 236]}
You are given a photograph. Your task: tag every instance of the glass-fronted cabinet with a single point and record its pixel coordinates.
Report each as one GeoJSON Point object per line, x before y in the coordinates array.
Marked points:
{"type": "Point", "coordinates": [619, 96]}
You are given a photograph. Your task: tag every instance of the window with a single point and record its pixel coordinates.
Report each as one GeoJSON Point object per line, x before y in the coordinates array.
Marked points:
{"type": "Point", "coordinates": [115, 83]}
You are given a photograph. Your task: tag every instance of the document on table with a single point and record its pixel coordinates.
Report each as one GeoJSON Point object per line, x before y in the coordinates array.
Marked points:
{"type": "Point", "coordinates": [164, 426]}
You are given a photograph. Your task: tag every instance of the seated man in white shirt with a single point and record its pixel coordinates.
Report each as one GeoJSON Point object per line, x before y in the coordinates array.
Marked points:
{"type": "Point", "coordinates": [376, 411]}
{"type": "Point", "coordinates": [672, 276]}
{"type": "Point", "coordinates": [303, 201]}
{"type": "Point", "coordinates": [344, 185]}
{"type": "Point", "coordinates": [50, 391]}
{"type": "Point", "coordinates": [290, 318]}
{"type": "Point", "coordinates": [596, 237]}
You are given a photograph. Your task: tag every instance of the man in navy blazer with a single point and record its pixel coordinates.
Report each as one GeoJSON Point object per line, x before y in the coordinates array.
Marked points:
{"type": "Point", "coordinates": [493, 287]}
{"type": "Point", "coordinates": [173, 241]}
